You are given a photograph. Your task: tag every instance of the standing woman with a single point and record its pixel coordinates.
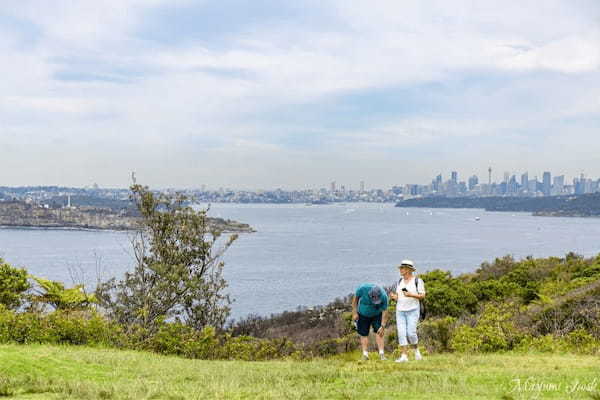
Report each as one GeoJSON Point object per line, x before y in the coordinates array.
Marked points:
{"type": "Point", "coordinates": [410, 290]}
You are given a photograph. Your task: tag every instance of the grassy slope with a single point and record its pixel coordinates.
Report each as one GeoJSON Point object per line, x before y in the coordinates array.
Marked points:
{"type": "Point", "coordinates": [40, 372]}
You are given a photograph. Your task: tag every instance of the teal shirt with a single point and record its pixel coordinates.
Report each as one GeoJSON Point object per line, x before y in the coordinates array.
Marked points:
{"type": "Point", "coordinates": [365, 307]}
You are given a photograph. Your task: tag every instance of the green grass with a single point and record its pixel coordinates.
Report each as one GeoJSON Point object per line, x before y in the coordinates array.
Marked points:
{"type": "Point", "coordinates": [58, 372]}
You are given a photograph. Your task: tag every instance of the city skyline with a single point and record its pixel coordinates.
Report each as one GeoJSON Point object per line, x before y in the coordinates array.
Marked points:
{"type": "Point", "coordinates": [520, 177]}
{"type": "Point", "coordinates": [284, 94]}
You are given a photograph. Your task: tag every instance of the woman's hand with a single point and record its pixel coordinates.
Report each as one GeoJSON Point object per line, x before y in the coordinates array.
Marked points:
{"type": "Point", "coordinates": [355, 316]}
{"type": "Point", "coordinates": [381, 331]}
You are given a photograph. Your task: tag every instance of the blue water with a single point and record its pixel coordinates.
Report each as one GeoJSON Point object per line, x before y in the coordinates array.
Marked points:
{"type": "Point", "coordinates": [308, 255]}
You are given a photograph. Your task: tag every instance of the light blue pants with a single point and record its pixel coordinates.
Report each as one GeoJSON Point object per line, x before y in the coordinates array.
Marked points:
{"type": "Point", "coordinates": [407, 321]}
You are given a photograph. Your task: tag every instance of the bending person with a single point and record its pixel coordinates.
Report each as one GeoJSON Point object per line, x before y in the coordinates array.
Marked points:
{"type": "Point", "coordinates": [410, 290]}
{"type": "Point", "coordinates": [369, 307]}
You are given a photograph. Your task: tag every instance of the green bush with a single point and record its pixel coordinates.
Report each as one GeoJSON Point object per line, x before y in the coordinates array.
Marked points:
{"type": "Point", "coordinates": [466, 339]}
{"type": "Point", "coordinates": [251, 349]}
{"type": "Point", "coordinates": [23, 328]}
{"type": "Point", "coordinates": [13, 285]}
{"type": "Point", "coordinates": [180, 339]}
{"type": "Point", "coordinates": [494, 331]}
{"type": "Point", "coordinates": [578, 341]}
{"type": "Point", "coordinates": [493, 289]}
{"type": "Point", "coordinates": [447, 296]}
{"type": "Point", "coordinates": [436, 333]}
{"type": "Point", "coordinates": [581, 341]}
{"type": "Point", "coordinates": [88, 328]}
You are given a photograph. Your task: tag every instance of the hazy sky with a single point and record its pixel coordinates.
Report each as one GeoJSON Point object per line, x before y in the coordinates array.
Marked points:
{"type": "Point", "coordinates": [271, 93]}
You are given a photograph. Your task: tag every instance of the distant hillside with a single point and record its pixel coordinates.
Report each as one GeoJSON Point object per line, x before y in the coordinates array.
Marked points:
{"type": "Point", "coordinates": [570, 206]}
{"type": "Point", "coordinates": [90, 201]}
{"type": "Point", "coordinates": [22, 214]}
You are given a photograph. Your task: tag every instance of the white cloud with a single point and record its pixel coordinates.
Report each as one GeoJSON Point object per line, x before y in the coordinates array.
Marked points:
{"type": "Point", "coordinates": [117, 90]}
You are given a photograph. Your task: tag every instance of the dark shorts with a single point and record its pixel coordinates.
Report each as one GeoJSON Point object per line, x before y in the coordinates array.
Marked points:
{"type": "Point", "coordinates": [365, 323]}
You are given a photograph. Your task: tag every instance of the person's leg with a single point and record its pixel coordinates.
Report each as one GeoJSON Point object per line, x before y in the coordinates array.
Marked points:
{"type": "Point", "coordinates": [363, 325]}
{"type": "Point", "coordinates": [401, 325]}
{"type": "Point", "coordinates": [364, 344]}
{"type": "Point", "coordinates": [380, 343]}
{"type": "Point", "coordinates": [412, 320]}
{"type": "Point", "coordinates": [376, 322]}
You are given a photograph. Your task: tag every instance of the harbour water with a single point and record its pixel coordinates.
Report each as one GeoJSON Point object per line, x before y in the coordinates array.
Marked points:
{"type": "Point", "coordinates": [308, 255]}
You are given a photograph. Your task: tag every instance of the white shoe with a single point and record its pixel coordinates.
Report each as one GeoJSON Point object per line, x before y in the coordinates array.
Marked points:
{"type": "Point", "coordinates": [403, 358]}
{"type": "Point", "coordinates": [418, 355]}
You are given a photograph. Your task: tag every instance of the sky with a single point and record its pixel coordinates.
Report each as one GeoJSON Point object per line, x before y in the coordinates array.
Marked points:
{"type": "Point", "coordinates": [296, 94]}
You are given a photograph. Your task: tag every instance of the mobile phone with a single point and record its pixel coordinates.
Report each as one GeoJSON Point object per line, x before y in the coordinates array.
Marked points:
{"type": "Point", "coordinates": [404, 289]}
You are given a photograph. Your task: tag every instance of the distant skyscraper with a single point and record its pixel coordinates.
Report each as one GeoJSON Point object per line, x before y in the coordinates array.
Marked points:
{"type": "Point", "coordinates": [454, 178]}
{"type": "Point", "coordinates": [362, 186]}
{"type": "Point", "coordinates": [333, 186]}
{"type": "Point", "coordinates": [437, 183]}
{"type": "Point", "coordinates": [533, 184]}
{"type": "Point", "coordinates": [490, 173]}
{"type": "Point", "coordinates": [473, 181]}
{"type": "Point", "coordinates": [525, 181]}
{"type": "Point", "coordinates": [547, 183]}
{"type": "Point", "coordinates": [558, 186]}
{"type": "Point", "coordinates": [506, 176]}
{"type": "Point", "coordinates": [513, 186]}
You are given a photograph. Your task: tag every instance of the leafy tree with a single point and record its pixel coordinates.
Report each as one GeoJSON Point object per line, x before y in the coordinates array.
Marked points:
{"type": "Point", "coordinates": [13, 285]}
{"type": "Point", "coordinates": [178, 272]}
{"type": "Point", "coordinates": [61, 298]}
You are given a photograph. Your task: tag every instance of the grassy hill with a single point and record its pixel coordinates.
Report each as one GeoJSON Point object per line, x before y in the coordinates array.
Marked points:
{"type": "Point", "coordinates": [58, 372]}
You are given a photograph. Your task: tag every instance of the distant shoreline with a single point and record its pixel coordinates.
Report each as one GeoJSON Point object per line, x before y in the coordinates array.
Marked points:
{"type": "Point", "coordinates": [99, 229]}
{"type": "Point", "coordinates": [582, 206]}
{"type": "Point", "coordinates": [17, 214]}
{"type": "Point", "coordinates": [62, 228]}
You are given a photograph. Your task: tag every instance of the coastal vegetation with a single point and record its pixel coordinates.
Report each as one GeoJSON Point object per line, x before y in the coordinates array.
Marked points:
{"type": "Point", "coordinates": [587, 205]}
{"type": "Point", "coordinates": [544, 305]}
{"type": "Point", "coordinates": [508, 320]}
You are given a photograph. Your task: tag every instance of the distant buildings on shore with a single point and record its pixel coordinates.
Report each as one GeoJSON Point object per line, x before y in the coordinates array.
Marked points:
{"type": "Point", "coordinates": [510, 186]}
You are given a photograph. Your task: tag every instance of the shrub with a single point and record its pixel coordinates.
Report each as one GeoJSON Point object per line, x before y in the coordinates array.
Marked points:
{"type": "Point", "coordinates": [494, 331]}
{"type": "Point", "coordinates": [85, 327]}
{"type": "Point", "coordinates": [61, 298]}
{"type": "Point", "coordinates": [58, 327]}
{"type": "Point", "coordinates": [437, 333]}
{"type": "Point", "coordinates": [13, 285]}
{"type": "Point", "coordinates": [577, 311]}
{"type": "Point", "coordinates": [582, 341]}
{"type": "Point", "coordinates": [466, 339]}
{"type": "Point", "coordinates": [493, 290]}
{"type": "Point", "coordinates": [180, 339]}
{"type": "Point", "coordinates": [542, 344]}
{"type": "Point", "coordinates": [577, 341]}
{"type": "Point", "coordinates": [447, 296]}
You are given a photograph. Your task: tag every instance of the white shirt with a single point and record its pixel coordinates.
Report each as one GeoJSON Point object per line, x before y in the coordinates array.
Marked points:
{"type": "Point", "coordinates": [406, 303]}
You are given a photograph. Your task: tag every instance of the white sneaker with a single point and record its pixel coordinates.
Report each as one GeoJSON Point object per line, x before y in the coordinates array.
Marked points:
{"type": "Point", "coordinates": [403, 358]}
{"type": "Point", "coordinates": [418, 355]}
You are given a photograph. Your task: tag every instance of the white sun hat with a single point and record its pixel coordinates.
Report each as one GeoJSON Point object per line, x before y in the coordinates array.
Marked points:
{"type": "Point", "coordinates": [408, 264]}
